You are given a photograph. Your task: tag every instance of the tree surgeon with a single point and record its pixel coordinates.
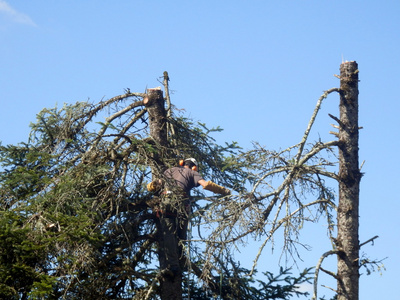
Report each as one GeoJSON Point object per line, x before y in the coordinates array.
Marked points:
{"type": "Point", "coordinates": [172, 206]}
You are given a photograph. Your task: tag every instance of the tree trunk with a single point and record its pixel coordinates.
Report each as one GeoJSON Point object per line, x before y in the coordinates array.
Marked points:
{"type": "Point", "coordinates": [349, 185]}
{"type": "Point", "coordinates": [170, 284]}
{"type": "Point", "coordinates": [155, 105]}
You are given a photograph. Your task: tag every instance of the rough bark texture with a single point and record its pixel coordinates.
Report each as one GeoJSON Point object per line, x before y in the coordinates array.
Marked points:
{"type": "Point", "coordinates": [349, 185]}
{"type": "Point", "coordinates": [170, 286]}
{"type": "Point", "coordinates": [155, 104]}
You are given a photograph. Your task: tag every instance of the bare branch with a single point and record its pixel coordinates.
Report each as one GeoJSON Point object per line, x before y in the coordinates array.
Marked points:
{"type": "Point", "coordinates": [370, 240]}
{"type": "Point", "coordinates": [317, 268]}
{"type": "Point", "coordinates": [312, 120]}
{"type": "Point", "coordinates": [277, 226]}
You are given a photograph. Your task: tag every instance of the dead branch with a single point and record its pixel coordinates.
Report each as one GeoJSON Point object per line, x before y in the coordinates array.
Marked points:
{"type": "Point", "coordinates": [166, 89]}
{"type": "Point", "coordinates": [318, 267]}
{"type": "Point", "coordinates": [312, 120]}
{"type": "Point", "coordinates": [370, 240]}
{"type": "Point", "coordinates": [277, 226]}
{"type": "Point", "coordinates": [336, 119]}
{"type": "Point", "coordinates": [152, 286]}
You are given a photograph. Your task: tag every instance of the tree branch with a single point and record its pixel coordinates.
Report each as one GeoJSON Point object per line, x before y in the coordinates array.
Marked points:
{"type": "Point", "coordinates": [318, 267]}
{"type": "Point", "coordinates": [277, 226]}
{"type": "Point", "coordinates": [312, 120]}
{"type": "Point", "coordinates": [370, 240]}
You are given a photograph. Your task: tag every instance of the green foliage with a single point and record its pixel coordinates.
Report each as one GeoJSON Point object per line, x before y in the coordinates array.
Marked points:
{"type": "Point", "coordinates": [289, 285]}
{"type": "Point", "coordinates": [22, 256]}
{"type": "Point", "coordinates": [237, 284]}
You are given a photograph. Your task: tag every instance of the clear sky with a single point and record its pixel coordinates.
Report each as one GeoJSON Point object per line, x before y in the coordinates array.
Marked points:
{"type": "Point", "coordinates": [256, 68]}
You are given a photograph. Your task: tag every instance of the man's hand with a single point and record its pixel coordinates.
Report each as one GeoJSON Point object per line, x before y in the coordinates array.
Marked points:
{"type": "Point", "coordinates": [154, 186]}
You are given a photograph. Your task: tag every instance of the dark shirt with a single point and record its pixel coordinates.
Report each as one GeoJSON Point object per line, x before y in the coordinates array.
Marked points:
{"type": "Point", "coordinates": [184, 178]}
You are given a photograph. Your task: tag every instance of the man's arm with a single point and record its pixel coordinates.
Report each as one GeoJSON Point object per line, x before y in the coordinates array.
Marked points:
{"type": "Point", "coordinates": [202, 182]}
{"type": "Point", "coordinates": [213, 187]}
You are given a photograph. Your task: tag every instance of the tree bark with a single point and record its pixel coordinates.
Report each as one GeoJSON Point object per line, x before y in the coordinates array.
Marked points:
{"type": "Point", "coordinates": [170, 284]}
{"type": "Point", "coordinates": [155, 104]}
{"type": "Point", "coordinates": [349, 185]}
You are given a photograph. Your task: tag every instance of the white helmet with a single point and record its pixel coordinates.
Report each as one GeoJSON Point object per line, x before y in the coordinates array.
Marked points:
{"type": "Point", "coordinates": [191, 159]}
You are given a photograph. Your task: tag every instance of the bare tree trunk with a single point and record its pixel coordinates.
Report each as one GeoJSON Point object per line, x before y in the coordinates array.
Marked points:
{"type": "Point", "coordinates": [155, 105]}
{"type": "Point", "coordinates": [170, 284]}
{"type": "Point", "coordinates": [349, 185]}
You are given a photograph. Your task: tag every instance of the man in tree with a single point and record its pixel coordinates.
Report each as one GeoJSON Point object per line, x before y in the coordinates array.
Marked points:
{"type": "Point", "coordinates": [174, 206]}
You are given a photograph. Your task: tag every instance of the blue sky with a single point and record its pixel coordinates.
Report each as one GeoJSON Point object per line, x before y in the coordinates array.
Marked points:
{"type": "Point", "coordinates": [255, 68]}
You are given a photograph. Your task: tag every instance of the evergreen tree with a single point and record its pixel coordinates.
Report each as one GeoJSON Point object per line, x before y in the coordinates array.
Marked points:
{"type": "Point", "coordinates": [75, 220]}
